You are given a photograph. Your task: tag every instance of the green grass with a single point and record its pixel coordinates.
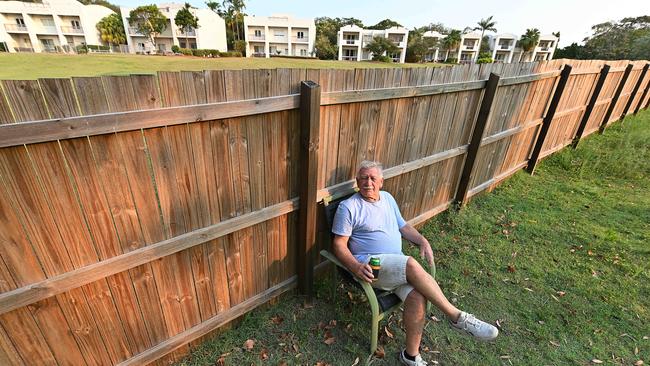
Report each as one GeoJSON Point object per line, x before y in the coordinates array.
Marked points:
{"type": "Point", "coordinates": [25, 66]}
{"type": "Point", "coordinates": [560, 259]}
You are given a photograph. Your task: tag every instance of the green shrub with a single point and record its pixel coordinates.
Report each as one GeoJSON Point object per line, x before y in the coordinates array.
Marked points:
{"type": "Point", "coordinates": [95, 47]}
{"type": "Point", "coordinates": [240, 46]}
{"type": "Point", "coordinates": [230, 54]}
{"type": "Point", "coordinates": [451, 60]}
{"type": "Point", "coordinates": [186, 51]}
{"type": "Point", "coordinates": [176, 49]}
{"type": "Point", "coordinates": [382, 58]}
{"type": "Point", "coordinates": [485, 60]}
{"type": "Point", "coordinates": [198, 53]}
{"type": "Point", "coordinates": [213, 53]}
{"type": "Point", "coordinates": [81, 49]}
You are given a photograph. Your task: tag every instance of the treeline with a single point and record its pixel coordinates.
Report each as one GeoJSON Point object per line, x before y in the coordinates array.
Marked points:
{"type": "Point", "coordinates": [627, 39]}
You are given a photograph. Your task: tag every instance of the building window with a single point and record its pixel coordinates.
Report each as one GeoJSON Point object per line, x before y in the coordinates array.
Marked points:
{"type": "Point", "coordinates": [300, 35]}
{"type": "Point", "coordinates": [258, 33]}
{"type": "Point", "coordinates": [303, 52]}
{"type": "Point", "coordinates": [47, 22]}
{"type": "Point", "coordinates": [280, 34]}
{"type": "Point", "coordinates": [141, 46]}
{"type": "Point", "coordinates": [75, 24]}
{"type": "Point", "coordinates": [258, 49]}
{"type": "Point", "coordinates": [20, 22]}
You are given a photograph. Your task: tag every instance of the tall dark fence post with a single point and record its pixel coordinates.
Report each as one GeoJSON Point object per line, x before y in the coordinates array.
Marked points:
{"type": "Point", "coordinates": [592, 102]}
{"type": "Point", "coordinates": [548, 118]}
{"type": "Point", "coordinates": [477, 136]}
{"type": "Point", "coordinates": [634, 91]}
{"type": "Point", "coordinates": [645, 92]}
{"type": "Point", "coordinates": [617, 94]}
{"type": "Point", "coordinates": [309, 162]}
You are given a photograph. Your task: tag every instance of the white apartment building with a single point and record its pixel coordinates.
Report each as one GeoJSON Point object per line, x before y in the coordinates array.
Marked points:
{"type": "Point", "coordinates": [211, 33]}
{"type": "Point", "coordinates": [468, 49]}
{"type": "Point", "coordinates": [352, 41]}
{"type": "Point", "coordinates": [50, 26]}
{"type": "Point", "coordinates": [545, 48]}
{"type": "Point", "coordinates": [433, 52]}
{"type": "Point", "coordinates": [280, 35]}
{"type": "Point", "coordinates": [503, 47]}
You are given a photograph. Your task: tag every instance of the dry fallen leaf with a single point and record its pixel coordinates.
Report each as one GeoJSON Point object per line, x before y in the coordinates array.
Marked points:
{"type": "Point", "coordinates": [277, 319]}
{"type": "Point", "coordinates": [388, 333]}
{"type": "Point", "coordinates": [379, 353]}
{"type": "Point", "coordinates": [295, 348]}
{"type": "Point", "coordinates": [433, 317]}
{"type": "Point", "coordinates": [264, 355]}
{"type": "Point", "coordinates": [282, 363]}
{"type": "Point", "coordinates": [505, 357]}
{"type": "Point", "coordinates": [596, 361]}
{"type": "Point", "coordinates": [356, 362]}
{"type": "Point", "coordinates": [249, 344]}
{"type": "Point", "coordinates": [221, 361]}
{"type": "Point", "coordinates": [561, 293]}
{"type": "Point", "coordinates": [638, 363]}
{"type": "Point", "coordinates": [329, 338]}
{"type": "Point", "coordinates": [511, 268]}
{"type": "Point", "coordinates": [556, 344]}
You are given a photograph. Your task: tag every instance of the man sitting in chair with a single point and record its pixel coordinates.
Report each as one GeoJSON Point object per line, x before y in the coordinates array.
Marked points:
{"type": "Point", "coordinates": [369, 224]}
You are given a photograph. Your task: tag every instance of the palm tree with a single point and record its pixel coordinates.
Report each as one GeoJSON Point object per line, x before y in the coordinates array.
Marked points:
{"type": "Point", "coordinates": [111, 29]}
{"type": "Point", "coordinates": [485, 25]}
{"type": "Point", "coordinates": [451, 42]}
{"type": "Point", "coordinates": [238, 6]}
{"type": "Point", "coordinates": [528, 41]}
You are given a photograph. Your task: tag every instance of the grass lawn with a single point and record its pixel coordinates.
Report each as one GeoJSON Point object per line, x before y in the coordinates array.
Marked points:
{"type": "Point", "coordinates": [560, 259]}
{"type": "Point", "coordinates": [23, 66]}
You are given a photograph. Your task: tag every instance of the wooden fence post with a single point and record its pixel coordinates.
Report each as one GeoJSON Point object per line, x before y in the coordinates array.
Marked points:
{"type": "Point", "coordinates": [592, 102]}
{"type": "Point", "coordinates": [617, 94]}
{"type": "Point", "coordinates": [645, 92]}
{"type": "Point", "coordinates": [548, 118]}
{"type": "Point", "coordinates": [477, 136]}
{"type": "Point", "coordinates": [634, 91]}
{"type": "Point", "coordinates": [309, 162]}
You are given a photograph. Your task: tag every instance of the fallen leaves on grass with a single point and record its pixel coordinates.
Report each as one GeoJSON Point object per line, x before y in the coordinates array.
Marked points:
{"type": "Point", "coordinates": [356, 361]}
{"type": "Point", "coordinates": [388, 333]}
{"type": "Point", "coordinates": [380, 353]}
{"type": "Point", "coordinates": [561, 293]}
{"type": "Point", "coordinates": [249, 344]}
{"type": "Point", "coordinates": [264, 354]}
{"type": "Point", "coordinates": [596, 361]}
{"type": "Point", "coordinates": [511, 268]}
{"type": "Point", "coordinates": [329, 338]}
{"type": "Point", "coordinates": [277, 319]}
{"type": "Point", "coordinates": [556, 344]}
{"type": "Point", "coordinates": [638, 363]}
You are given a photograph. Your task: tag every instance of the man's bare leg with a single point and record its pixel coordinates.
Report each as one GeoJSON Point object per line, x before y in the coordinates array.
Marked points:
{"type": "Point", "coordinates": [414, 309]}
{"type": "Point", "coordinates": [422, 281]}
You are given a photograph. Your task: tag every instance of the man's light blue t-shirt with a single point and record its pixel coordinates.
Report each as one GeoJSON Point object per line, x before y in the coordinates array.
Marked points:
{"type": "Point", "coordinates": [373, 227]}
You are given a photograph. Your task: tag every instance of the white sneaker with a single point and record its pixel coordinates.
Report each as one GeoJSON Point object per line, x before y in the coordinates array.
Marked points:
{"type": "Point", "coordinates": [479, 329]}
{"type": "Point", "coordinates": [405, 361]}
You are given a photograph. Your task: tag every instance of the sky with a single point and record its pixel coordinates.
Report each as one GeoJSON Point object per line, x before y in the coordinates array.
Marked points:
{"type": "Point", "coordinates": [573, 19]}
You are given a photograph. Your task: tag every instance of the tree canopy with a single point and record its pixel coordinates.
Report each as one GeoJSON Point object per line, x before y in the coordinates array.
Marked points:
{"type": "Point", "coordinates": [626, 39]}
{"type": "Point", "coordinates": [148, 21]}
{"type": "Point", "coordinates": [385, 24]}
{"type": "Point", "coordinates": [185, 20]}
{"type": "Point", "coordinates": [381, 47]}
{"type": "Point", "coordinates": [486, 24]}
{"type": "Point", "coordinates": [111, 29]}
{"type": "Point", "coordinates": [326, 33]}
{"type": "Point", "coordinates": [232, 12]}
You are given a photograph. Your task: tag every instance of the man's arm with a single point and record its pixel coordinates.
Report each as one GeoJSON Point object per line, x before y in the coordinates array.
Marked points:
{"type": "Point", "coordinates": [409, 233]}
{"type": "Point", "coordinates": [342, 252]}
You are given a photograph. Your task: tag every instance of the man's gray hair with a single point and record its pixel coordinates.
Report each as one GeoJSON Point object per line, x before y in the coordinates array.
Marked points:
{"type": "Point", "coordinates": [368, 164]}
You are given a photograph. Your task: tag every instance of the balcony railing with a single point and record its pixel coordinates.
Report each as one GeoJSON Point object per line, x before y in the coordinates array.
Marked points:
{"type": "Point", "coordinates": [349, 58]}
{"type": "Point", "coordinates": [48, 29]}
{"type": "Point", "coordinates": [505, 46]}
{"type": "Point", "coordinates": [300, 39]}
{"type": "Point", "coordinates": [134, 31]}
{"type": "Point", "coordinates": [256, 38]}
{"type": "Point", "coordinates": [190, 33]}
{"type": "Point", "coordinates": [351, 42]}
{"type": "Point", "coordinates": [544, 49]}
{"type": "Point", "coordinates": [75, 30]}
{"type": "Point", "coordinates": [15, 28]}
{"type": "Point", "coordinates": [469, 47]}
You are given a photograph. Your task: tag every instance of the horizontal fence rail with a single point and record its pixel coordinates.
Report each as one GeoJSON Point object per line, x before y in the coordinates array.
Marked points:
{"type": "Point", "coordinates": [141, 213]}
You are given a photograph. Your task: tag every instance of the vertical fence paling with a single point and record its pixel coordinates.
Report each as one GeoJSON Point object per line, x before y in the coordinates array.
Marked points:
{"type": "Point", "coordinates": [645, 92]}
{"type": "Point", "coordinates": [548, 119]}
{"type": "Point", "coordinates": [592, 102]}
{"type": "Point", "coordinates": [483, 115]}
{"type": "Point", "coordinates": [309, 127]}
{"type": "Point", "coordinates": [617, 94]}
{"type": "Point", "coordinates": [634, 91]}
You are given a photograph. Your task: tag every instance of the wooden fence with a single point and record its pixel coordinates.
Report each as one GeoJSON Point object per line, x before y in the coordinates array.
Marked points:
{"type": "Point", "coordinates": [139, 214]}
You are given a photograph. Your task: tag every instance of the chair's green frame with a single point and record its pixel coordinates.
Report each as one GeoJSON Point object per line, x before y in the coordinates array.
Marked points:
{"type": "Point", "coordinates": [377, 314]}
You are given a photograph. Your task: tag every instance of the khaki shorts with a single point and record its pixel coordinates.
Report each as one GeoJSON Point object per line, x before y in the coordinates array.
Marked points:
{"type": "Point", "coordinates": [392, 274]}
